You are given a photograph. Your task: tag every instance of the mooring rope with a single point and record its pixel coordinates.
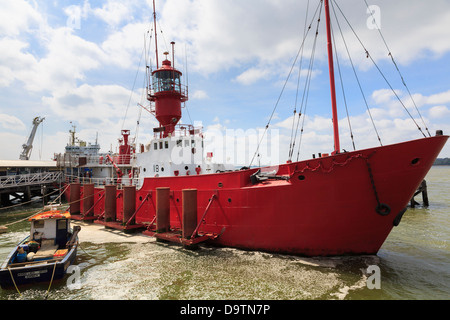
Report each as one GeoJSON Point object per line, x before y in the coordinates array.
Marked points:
{"type": "Point", "coordinates": [51, 280]}
{"type": "Point", "coordinates": [14, 282]}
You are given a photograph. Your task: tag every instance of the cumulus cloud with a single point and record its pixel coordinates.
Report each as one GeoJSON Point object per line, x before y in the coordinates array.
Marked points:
{"type": "Point", "coordinates": [11, 122]}
{"type": "Point", "coordinates": [439, 112]}
{"type": "Point", "coordinates": [199, 95]}
{"type": "Point", "coordinates": [74, 71]}
{"type": "Point", "coordinates": [108, 101]}
{"type": "Point", "coordinates": [19, 16]}
{"type": "Point", "coordinates": [114, 12]}
{"type": "Point", "coordinates": [252, 75]}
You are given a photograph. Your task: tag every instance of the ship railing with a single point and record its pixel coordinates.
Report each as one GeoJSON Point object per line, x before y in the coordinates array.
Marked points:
{"type": "Point", "coordinates": [168, 86]}
{"type": "Point", "coordinates": [99, 182]}
{"type": "Point", "coordinates": [69, 161]}
{"type": "Point", "coordinates": [21, 180]}
{"type": "Point", "coordinates": [181, 130]}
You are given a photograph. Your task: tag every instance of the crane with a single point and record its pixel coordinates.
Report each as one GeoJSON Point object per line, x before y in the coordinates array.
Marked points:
{"type": "Point", "coordinates": [26, 152]}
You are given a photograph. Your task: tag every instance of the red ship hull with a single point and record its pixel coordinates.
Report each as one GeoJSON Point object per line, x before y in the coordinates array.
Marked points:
{"type": "Point", "coordinates": [328, 206]}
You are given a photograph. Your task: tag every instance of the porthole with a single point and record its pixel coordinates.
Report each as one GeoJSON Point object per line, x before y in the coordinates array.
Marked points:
{"type": "Point", "coordinates": [301, 178]}
{"type": "Point", "coordinates": [415, 161]}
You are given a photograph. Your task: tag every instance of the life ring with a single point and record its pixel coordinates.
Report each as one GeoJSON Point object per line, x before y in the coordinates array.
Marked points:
{"type": "Point", "coordinates": [383, 209]}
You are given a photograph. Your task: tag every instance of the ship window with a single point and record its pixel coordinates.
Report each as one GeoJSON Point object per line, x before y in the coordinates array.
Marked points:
{"type": "Point", "coordinates": [39, 224]}
{"type": "Point", "coordinates": [160, 145]}
{"type": "Point", "coordinates": [156, 146]}
{"type": "Point", "coordinates": [193, 143]}
{"type": "Point", "coordinates": [166, 144]}
{"type": "Point", "coordinates": [166, 81]}
{"type": "Point", "coordinates": [179, 143]}
{"type": "Point", "coordinates": [62, 224]}
{"type": "Point", "coordinates": [186, 143]}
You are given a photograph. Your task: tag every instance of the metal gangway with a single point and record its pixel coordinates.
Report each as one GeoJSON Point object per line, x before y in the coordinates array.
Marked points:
{"type": "Point", "coordinates": [24, 180]}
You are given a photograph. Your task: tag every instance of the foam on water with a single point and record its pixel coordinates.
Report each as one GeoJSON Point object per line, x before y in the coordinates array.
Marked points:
{"type": "Point", "coordinates": [161, 271]}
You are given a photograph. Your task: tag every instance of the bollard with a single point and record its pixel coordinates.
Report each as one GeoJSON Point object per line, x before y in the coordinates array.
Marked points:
{"type": "Point", "coordinates": [162, 210]}
{"type": "Point", "coordinates": [110, 203]}
{"type": "Point", "coordinates": [74, 198]}
{"type": "Point", "coordinates": [129, 203]}
{"type": "Point", "coordinates": [88, 200]}
{"type": "Point", "coordinates": [189, 212]}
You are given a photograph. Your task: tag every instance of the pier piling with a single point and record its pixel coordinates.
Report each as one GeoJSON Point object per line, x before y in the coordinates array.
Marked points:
{"type": "Point", "coordinates": [110, 203]}
{"type": "Point", "coordinates": [162, 210]}
{"type": "Point", "coordinates": [129, 203]}
{"type": "Point", "coordinates": [88, 199]}
{"type": "Point", "coordinates": [75, 198]}
{"type": "Point", "coordinates": [189, 212]}
{"type": "Point", "coordinates": [421, 190]}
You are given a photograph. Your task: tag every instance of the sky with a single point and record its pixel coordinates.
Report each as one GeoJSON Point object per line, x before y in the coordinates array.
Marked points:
{"type": "Point", "coordinates": [82, 63]}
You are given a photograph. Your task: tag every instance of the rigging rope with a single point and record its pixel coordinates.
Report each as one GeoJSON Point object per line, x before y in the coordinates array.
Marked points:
{"type": "Point", "coordinates": [356, 75]}
{"type": "Point", "coordinates": [292, 143]}
{"type": "Point", "coordinates": [379, 70]}
{"type": "Point", "coordinates": [307, 86]}
{"type": "Point", "coordinates": [282, 91]}
{"type": "Point", "coordinates": [398, 70]}
{"type": "Point", "coordinates": [132, 90]}
{"type": "Point", "coordinates": [343, 92]}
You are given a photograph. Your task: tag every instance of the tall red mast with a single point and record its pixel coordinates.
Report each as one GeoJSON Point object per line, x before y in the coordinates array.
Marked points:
{"type": "Point", "coordinates": [337, 146]}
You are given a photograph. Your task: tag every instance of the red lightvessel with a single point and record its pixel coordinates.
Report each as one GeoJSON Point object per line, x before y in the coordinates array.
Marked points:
{"type": "Point", "coordinates": [343, 204]}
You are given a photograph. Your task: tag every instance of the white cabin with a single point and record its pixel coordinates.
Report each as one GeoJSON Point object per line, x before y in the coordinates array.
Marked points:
{"type": "Point", "coordinates": [176, 156]}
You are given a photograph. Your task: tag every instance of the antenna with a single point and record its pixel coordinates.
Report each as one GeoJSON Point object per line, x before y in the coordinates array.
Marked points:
{"type": "Point", "coordinates": [173, 54]}
{"type": "Point", "coordinates": [156, 34]}
{"type": "Point", "coordinates": [187, 74]}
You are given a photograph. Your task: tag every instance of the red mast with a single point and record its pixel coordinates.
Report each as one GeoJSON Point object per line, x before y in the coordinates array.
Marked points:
{"type": "Point", "coordinates": [337, 146]}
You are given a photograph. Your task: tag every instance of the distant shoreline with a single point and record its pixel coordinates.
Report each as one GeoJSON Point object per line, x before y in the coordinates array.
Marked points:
{"type": "Point", "coordinates": [442, 162]}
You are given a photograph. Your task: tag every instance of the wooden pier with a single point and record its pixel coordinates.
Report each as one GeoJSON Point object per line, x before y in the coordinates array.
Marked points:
{"type": "Point", "coordinates": [421, 190]}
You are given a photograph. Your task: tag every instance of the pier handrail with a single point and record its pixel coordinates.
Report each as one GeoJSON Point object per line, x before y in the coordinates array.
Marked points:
{"type": "Point", "coordinates": [21, 180]}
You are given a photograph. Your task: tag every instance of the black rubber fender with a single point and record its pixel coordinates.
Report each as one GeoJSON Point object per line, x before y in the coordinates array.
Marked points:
{"type": "Point", "coordinates": [399, 217]}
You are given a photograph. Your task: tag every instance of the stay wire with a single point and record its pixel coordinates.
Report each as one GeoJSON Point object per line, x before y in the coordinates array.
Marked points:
{"type": "Point", "coordinates": [292, 143]}
{"type": "Point", "coordinates": [368, 55]}
{"type": "Point", "coordinates": [305, 97]}
{"type": "Point", "coordinates": [134, 85]}
{"type": "Point", "coordinates": [354, 70]}
{"type": "Point", "coordinates": [398, 69]}
{"type": "Point", "coordinates": [282, 91]}
{"type": "Point", "coordinates": [342, 82]}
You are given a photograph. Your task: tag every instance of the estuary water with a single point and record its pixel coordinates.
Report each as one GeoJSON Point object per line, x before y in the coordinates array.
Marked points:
{"type": "Point", "coordinates": [414, 263]}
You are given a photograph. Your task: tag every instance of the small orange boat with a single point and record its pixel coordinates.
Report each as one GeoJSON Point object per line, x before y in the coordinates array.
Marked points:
{"type": "Point", "coordinates": [45, 254]}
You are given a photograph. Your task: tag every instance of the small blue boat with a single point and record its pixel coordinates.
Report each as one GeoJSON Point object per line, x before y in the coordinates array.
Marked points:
{"type": "Point", "coordinates": [45, 254]}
